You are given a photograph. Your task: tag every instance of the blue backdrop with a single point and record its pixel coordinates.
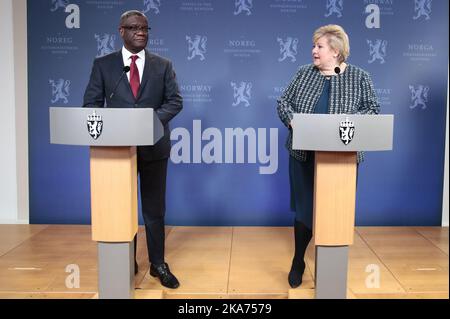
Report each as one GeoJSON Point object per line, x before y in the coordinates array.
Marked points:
{"type": "Point", "coordinates": [233, 59]}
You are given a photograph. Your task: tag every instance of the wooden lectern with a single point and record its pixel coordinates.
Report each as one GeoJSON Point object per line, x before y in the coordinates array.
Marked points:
{"type": "Point", "coordinates": [334, 191]}
{"type": "Point", "coordinates": [113, 192]}
{"type": "Point", "coordinates": [112, 134]}
{"type": "Point", "coordinates": [336, 139]}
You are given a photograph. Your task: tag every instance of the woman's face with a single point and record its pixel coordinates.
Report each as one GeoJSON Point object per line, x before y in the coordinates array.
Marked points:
{"type": "Point", "coordinates": [324, 57]}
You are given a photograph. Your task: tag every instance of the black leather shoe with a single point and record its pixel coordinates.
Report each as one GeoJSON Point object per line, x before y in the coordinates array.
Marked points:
{"type": "Point", "coordinates": [136, 268]}
{"type": "Point", "coordinates": [165, 276]}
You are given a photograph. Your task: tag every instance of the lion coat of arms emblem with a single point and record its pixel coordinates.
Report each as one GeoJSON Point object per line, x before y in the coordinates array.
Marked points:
{"type": "Point", "coordinates": [346, 131]}
{"type": "Point", "coordinates": [94, 125]}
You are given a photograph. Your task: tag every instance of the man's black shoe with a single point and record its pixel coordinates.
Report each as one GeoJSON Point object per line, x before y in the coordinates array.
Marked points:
{"type": "Point", "coordinates": [165, 276]}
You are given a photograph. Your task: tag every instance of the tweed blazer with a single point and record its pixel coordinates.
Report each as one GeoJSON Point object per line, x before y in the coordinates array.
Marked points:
{"type": "Point", "coordinates": [351, 92]}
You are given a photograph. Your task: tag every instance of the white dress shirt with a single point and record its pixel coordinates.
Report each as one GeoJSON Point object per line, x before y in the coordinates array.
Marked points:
{"type": "Point", "coordinates": [139, 62]}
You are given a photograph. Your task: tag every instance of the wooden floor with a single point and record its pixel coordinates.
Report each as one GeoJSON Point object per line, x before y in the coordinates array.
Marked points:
{"type": "Point", "coordinates": [226, 262]}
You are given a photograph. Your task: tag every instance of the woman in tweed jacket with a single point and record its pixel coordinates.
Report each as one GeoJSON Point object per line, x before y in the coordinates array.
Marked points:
{"type": "Point", "coordinates": [328, 85]}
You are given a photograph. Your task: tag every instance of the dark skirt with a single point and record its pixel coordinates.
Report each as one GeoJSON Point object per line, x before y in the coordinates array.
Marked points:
{"type": "Point", "coordinates": [301, 177]}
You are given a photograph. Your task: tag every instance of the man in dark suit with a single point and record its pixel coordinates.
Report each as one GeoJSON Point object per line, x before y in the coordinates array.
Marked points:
{"type": "Point", "coordinates": [150, 82]}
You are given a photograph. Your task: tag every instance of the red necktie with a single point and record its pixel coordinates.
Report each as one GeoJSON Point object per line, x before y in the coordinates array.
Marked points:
{"type": "Point", "coordinates": [134, 76]}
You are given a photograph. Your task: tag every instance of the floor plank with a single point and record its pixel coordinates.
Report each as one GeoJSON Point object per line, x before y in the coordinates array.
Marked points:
{"type": "Point", "coordinates": [226, 262]}
{"type": "Point", "coordinates": [40, 262]}
{"type": "Point", "coordinates": [366, 271]}
{"type": "Point", "coordinates": [437, 235]}
{"type": "Point", "coordinates": [148, 294]}
{"type": "Point", "coordinates": [199, 257]}
{"type": "Point", "coordinates": [261, 259]}
{"type": "Point", "coordinates": [12, 236]}
{"type": "Point", "coordinates": [362, 265]}
{"type": "Point", "coordinates": [425, 295]}
{"type": "Point", "coordinates": [413, 260]}
{"type": "Point", "coordinates": [47, 295]}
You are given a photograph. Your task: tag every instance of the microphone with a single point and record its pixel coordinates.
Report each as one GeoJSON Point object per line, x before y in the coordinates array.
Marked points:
{"type": "Point", "coordinates": [337, 70]}
{"type": "Point", "coordinates": [125, 70]}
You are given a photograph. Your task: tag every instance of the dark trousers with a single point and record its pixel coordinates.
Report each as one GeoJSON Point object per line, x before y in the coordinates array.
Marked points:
{"type": "Point", "coordinates": [152, 176]}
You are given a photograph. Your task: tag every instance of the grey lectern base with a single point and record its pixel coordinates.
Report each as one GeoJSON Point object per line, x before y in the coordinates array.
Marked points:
{"type": "Point", "coordinates": [331, 272]}
{"type": "Point", "coordinates": [116, 270]}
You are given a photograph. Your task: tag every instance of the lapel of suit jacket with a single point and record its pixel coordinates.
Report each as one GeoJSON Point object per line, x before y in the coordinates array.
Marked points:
{"type": "Point", "coordinates": [146, 73]}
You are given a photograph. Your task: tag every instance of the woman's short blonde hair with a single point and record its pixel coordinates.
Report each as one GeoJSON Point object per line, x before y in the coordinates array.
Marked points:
{"type": "Point", "coordinates": [337, 39]}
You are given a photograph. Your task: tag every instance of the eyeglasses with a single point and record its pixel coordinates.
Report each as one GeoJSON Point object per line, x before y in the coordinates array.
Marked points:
{"type": "Point", "coordinates": [137, 28]}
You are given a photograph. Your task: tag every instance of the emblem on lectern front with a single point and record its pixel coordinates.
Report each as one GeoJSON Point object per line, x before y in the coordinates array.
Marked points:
{"type": "Point", "coordinates": [94, 125]}
{"type": "Point", "coordinates": [346, 131]}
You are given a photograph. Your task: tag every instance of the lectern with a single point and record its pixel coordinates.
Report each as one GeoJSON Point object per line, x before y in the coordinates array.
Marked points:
{"type": "Point", "coordinates": [112, 135]}
{"type": "Point", "coordinates": [336, 139]}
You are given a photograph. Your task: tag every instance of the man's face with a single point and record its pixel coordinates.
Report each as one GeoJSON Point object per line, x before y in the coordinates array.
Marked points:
{"type": "Point", "coordinates": [134, 33]}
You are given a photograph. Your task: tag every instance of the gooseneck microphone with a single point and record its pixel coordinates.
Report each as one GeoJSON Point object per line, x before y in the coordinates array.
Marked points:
{"type": "Point", "coordinates": [337, 70]}
{"type": "Point", "coordinates": [125, 70]}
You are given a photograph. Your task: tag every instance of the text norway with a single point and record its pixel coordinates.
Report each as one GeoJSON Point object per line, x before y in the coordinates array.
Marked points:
{"type": "Point", "coordinates": [234, 141]}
